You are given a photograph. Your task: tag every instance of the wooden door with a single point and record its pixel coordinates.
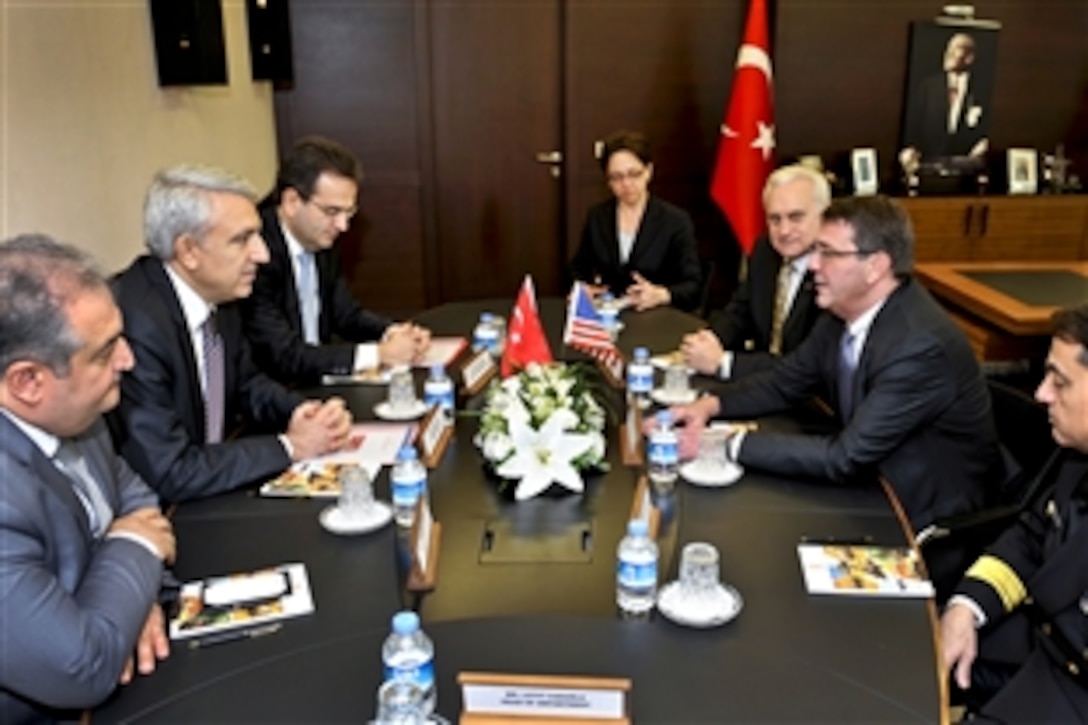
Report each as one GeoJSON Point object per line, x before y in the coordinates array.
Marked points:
{"type": "Point", "coordinates": [495, 99]}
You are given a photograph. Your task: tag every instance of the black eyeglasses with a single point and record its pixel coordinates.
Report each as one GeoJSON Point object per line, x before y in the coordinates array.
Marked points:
{"type": "Point", "coordinates": [333, 212]}
{"type": "Point", "coordinates": [825, 252]}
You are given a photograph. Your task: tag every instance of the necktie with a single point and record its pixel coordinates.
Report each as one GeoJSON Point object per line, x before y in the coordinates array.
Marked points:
{"type": "Point", "coordinates": [781, 298]}
{"type": "Point", "coordinates": [307, 298]}
{"type": "Point", "coordinates": [847, 367]}
{"type": "Point", "coordinates": [214, 395]}
{"type": "Point", "coordinates": [72, 464]}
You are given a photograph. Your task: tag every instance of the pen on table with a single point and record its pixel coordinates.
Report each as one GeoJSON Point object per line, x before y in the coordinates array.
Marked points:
{"type": "Point", "coordinates": [838, 541]}
{"type": "Point", "coordinates": [235, 635]}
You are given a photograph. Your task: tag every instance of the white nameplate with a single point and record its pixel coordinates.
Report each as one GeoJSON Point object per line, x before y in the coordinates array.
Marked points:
{"type": "Point", "coordinates": [434, 426]}
{"type": "Point", "coordinates": [479, 369]}
{"type": "Point", "coordinates": [489, 697]}
{"type": "Point", "coordinates": [424, 524]}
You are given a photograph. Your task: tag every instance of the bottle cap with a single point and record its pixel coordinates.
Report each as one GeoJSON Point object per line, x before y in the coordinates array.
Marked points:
{"type": "Point", "coordinates": [642, 353]}
{"type": "Point", "coordinates": [637, 527]}
{"type": "Point", "coordinates": [438, 370]}
{"type": "Point", "coordinates": [664, 417]}
{"type": "Point", "coordinates": [405, 622]}
{"type": "Point", "coordinates": [486, 317]}
{"type": "Point", "coordinates": [407, 453]}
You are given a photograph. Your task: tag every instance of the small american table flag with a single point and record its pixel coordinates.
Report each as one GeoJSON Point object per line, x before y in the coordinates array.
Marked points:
{"type": "Point", "coordinates": [585, 331]}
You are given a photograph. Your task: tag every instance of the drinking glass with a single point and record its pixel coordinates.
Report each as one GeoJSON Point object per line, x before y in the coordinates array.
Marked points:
{"type": "Point", "coordinates": [356, 491]}
{"type": "Point", "coordinates": [699, 571]}
{"type": "Point", "coordinates": [677, 383]}
{"type": "Point", "coordinates": [711, 453]}
{"type": "Point", "coordinates": [402, 389]}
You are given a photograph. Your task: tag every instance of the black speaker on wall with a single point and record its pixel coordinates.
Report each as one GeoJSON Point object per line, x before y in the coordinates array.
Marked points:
{"type": "Point", "coordinates": [270, 41]}
{"type": "Point", "coordinates": [189, 47]}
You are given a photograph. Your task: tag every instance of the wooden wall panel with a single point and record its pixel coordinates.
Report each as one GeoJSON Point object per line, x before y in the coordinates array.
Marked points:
{"type": "Point", "coordinates": [355, 81]}
{"type": "Point", "coordinates": [368, 71]}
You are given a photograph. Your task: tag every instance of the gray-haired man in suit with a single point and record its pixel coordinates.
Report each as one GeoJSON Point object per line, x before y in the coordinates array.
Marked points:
{"type": "Point", "coordinates": [82, 539]}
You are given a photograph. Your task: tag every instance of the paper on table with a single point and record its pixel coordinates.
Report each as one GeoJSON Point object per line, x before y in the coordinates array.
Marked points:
{"type": "Point", "coordinates": [443, 350]}
{"type": "Point", "coordinates": [371, 445]}
{"type": "Point", "coordinates": [200, 614]}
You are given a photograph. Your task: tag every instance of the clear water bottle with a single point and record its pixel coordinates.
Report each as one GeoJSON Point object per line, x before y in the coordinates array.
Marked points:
{"type": "Point", "coordinates": [606, 305]}
{"type": "Point", "coordinates": [486, 334]}
{"type": "Point", "coordinates": [640, 378]}
{"type": "Point", "coordinates": [408, 481]}
{"type": "Point", "coordinates": [438, 390]}
{"type": "Point", "coordinates": [636, 571]}
{"type": "Point", "coordinates": [408, 655]}
{"type": "Point", "coordinates": [663, 453]}
{"type": "Point", "coordinates": [399, 703]}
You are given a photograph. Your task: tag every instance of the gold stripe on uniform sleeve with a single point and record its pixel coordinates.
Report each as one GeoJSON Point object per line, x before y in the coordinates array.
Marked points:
{"type": "Point", "coordinates": [999, 576]}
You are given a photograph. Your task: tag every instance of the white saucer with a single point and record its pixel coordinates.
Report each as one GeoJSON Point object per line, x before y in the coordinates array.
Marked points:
{"type": "Point", "coordinates": [664, 397]}
{"type": "Point", "coordinates": [700, 474]}
{"type": "Point", "coordinates": [385, 412]}
{"type": "Point", "coordinates": [377, 515]}
{"type": "Point", "coordinates": [723, 607]}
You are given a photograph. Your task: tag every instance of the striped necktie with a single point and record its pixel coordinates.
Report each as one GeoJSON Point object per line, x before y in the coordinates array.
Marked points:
{"type": "Point", "coordinates": [848, 365]}
{"type": "Point", "coordinates": [72, 464]}
{"type": "Point", "coordinates": [214, 385]}
{"type": "Point", "coordinates": [308, 298]}
{"type": "Point", "coordinates": [781, 304]}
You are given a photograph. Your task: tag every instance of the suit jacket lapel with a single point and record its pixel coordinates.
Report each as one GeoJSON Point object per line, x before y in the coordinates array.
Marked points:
{"type": "Point", "coordinates": [281, 261]}
{"type": "Point", "coordinates": [160, 282]}
{"type": "Point", "coordinates": [27, 453]}
{"type": "Point", "coordinates": [644, 234]}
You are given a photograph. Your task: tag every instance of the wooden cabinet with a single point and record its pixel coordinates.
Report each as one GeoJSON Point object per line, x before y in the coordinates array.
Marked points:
{"type": "Point", "coordinates": [985, 228]}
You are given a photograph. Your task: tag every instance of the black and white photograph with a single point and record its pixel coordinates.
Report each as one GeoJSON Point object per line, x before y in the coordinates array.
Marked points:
{"type": "Point", "coordinates": [950, 78]}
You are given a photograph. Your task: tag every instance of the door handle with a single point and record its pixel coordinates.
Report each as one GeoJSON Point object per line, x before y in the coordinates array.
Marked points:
{"type": "Point", "coordinates": [549, 157]}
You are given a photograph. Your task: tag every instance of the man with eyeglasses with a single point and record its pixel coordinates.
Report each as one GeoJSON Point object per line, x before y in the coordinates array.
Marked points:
{"type": "Point", "coordinates": [774, 308]}
{"type": "Point", "coordinates": [302, 319]}
{"type": "Point", "coordinates": [899, 374]}
{"type": "Point", "coordinates": [194, 381]}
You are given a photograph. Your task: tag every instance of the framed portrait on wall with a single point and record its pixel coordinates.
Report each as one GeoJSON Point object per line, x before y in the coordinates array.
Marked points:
{"type": "Point", "coordinates": [947, 110]}
{"type": "Point", "coordinates": [1023, 165]}
{"type": "Point", "coordinates": [863, 166]}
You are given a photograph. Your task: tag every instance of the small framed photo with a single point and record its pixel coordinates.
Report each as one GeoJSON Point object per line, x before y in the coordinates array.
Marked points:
{"type": "Point", "coordinates": [1023, 171]}
{"type": "Point", "coordinates": [863, 164]}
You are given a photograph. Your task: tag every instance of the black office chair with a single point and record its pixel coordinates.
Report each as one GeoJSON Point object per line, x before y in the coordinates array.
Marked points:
{"type": "Point", "coordinates": [709, 269]}
{"type": "Point", "coordinates": [1030, 452]}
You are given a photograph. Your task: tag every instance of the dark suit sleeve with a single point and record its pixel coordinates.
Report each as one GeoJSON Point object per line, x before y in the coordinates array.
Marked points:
{"type": "Point", "coordinates": [154, 440]}
{"type": "Point", "coordinates": [735, 324]}
{"type": "Point", "coordinates": [909, 390]}
{"type": "Point", "coordinates": [587, 265]}
{"type": "Point", "coordinates": [277, 342]}
{"type": "Point", "coordinates": [67, 649]}
{"type": "Point", "coordinates": [684, 275]}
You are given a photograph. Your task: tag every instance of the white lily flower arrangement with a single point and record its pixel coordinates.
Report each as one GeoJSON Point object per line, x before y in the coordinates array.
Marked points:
{"type": "Point", "coordinates": [540, 426]}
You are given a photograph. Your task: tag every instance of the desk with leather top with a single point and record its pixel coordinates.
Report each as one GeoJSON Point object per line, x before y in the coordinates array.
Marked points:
{"type": "Point", "coordinates": [789, 656]}
{"type": "Point", "coordinates": [1005, 308]}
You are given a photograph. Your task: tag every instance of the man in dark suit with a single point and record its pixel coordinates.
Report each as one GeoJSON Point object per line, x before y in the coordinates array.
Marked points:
{"type": "Point", "coordinates": [906, 386]}
{"type": "Point", "coordinates": [195, 381]}
{"type": "Point", "coordinates": [774, 308]}
{"type": "Point", "coordinates": [82, 539]}
{"type": "Point", "coordinates": [1017, 625]}
{"type": "Point", "coordinates": [302, 319]}
{"type": "Point", "coordinates": [946, 115]}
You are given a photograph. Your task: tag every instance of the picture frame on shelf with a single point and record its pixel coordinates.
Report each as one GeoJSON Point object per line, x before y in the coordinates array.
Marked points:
{"type": "Point", "coordinates": [1023, 171]}
{"type": "Point", "coordinates": [864, 170]}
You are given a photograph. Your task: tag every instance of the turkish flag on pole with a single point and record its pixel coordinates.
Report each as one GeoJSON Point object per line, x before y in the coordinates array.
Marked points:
{"type": "Point", "coordinates": [525, 340]}
{"type": "Point", "coordinates": [746, 147]}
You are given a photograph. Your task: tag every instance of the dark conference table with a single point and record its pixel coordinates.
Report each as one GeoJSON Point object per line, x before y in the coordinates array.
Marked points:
{"type": "Point", "coordinates": [539, 601]}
